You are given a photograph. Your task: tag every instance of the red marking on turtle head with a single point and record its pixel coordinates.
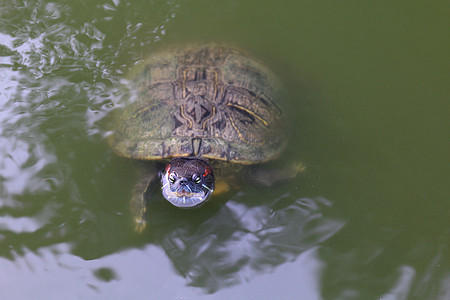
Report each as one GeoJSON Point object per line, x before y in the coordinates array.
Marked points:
{"type": "Point", "coordinates": [167, 168]}
{"type": "Point", "coordinates": [207, 171]}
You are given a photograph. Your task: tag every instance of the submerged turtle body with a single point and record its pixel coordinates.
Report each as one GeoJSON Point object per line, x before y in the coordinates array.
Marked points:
{"type": "Point", "coordinates": [209, 101]}
{"type": "Point", "coordinates": [210, 109]}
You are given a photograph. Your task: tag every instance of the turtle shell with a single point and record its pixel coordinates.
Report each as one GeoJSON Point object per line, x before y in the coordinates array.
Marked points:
{"type": "Point", "coordinates": [211, 101]}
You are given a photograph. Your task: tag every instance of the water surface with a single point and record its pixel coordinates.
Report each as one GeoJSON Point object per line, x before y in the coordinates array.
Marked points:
{"type": "Point", "coordinates": [368, 219]}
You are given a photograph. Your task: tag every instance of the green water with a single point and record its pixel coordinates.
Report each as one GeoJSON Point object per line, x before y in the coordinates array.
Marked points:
{"type": "Point", "coordinates": [368, 219]}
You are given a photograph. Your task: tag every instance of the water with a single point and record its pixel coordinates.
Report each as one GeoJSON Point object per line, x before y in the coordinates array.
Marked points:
{"type": "Point", "coordinates": [368, 219]}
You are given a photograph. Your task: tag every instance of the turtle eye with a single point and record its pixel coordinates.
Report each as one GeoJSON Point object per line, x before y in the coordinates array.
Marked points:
{"type": "Point", "coordinates": [172, 177]}
{"type": "Point", "coordinates": [196, 179]}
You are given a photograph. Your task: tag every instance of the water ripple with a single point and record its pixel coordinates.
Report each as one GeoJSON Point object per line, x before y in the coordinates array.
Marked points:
{"type": "Point", "coordinates": [241, 241]}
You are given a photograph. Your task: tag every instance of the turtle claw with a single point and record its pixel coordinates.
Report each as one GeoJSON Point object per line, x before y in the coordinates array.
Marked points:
{"type": "Point", "coordinates": [139, 225]}
{"type": "Point", "coordinates": [139, 221]}
{"type": "Point", "coordinates": [298, 167]}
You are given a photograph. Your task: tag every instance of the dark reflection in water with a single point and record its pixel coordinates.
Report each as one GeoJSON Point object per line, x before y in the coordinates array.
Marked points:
{"type": "Point", "coordinates": [240, 241]}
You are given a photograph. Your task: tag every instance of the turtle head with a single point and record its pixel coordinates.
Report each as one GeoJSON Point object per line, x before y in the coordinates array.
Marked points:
{"type": "Point", "coordinates": [187, 182]}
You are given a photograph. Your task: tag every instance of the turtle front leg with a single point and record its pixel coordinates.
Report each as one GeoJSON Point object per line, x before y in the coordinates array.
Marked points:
{"type": "Point", "coordinates": [142, 192]}
{"type": "Point", "coordinates": [269, 177]}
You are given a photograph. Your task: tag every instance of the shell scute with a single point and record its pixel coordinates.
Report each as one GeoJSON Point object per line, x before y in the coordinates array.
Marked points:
{"type": "Point", "coordinates": [212, 101]}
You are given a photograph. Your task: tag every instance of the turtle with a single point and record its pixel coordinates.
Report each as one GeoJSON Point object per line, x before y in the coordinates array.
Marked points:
{"type": "Point", "coordinates": [206, 111]}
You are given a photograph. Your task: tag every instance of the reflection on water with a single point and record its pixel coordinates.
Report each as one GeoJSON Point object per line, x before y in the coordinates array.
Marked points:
{"type": "Point", "coordinates": [234, 246]}
{"type": "Point", "coordinates": [129, 275]}
{"type": "Point", "coordinates": [239, 242]}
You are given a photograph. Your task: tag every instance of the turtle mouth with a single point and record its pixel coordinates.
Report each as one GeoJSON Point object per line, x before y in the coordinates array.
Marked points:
{"type": "Point", "coordinates": [185, 199]}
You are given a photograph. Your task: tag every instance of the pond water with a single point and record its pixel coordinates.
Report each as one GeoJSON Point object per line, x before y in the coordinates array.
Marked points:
{"type": "Point", "coordinates": [368, 219]}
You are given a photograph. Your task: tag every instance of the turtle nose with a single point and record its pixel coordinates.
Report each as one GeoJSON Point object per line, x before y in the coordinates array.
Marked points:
{"type": "Point", "coordinates": [183, 181]}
